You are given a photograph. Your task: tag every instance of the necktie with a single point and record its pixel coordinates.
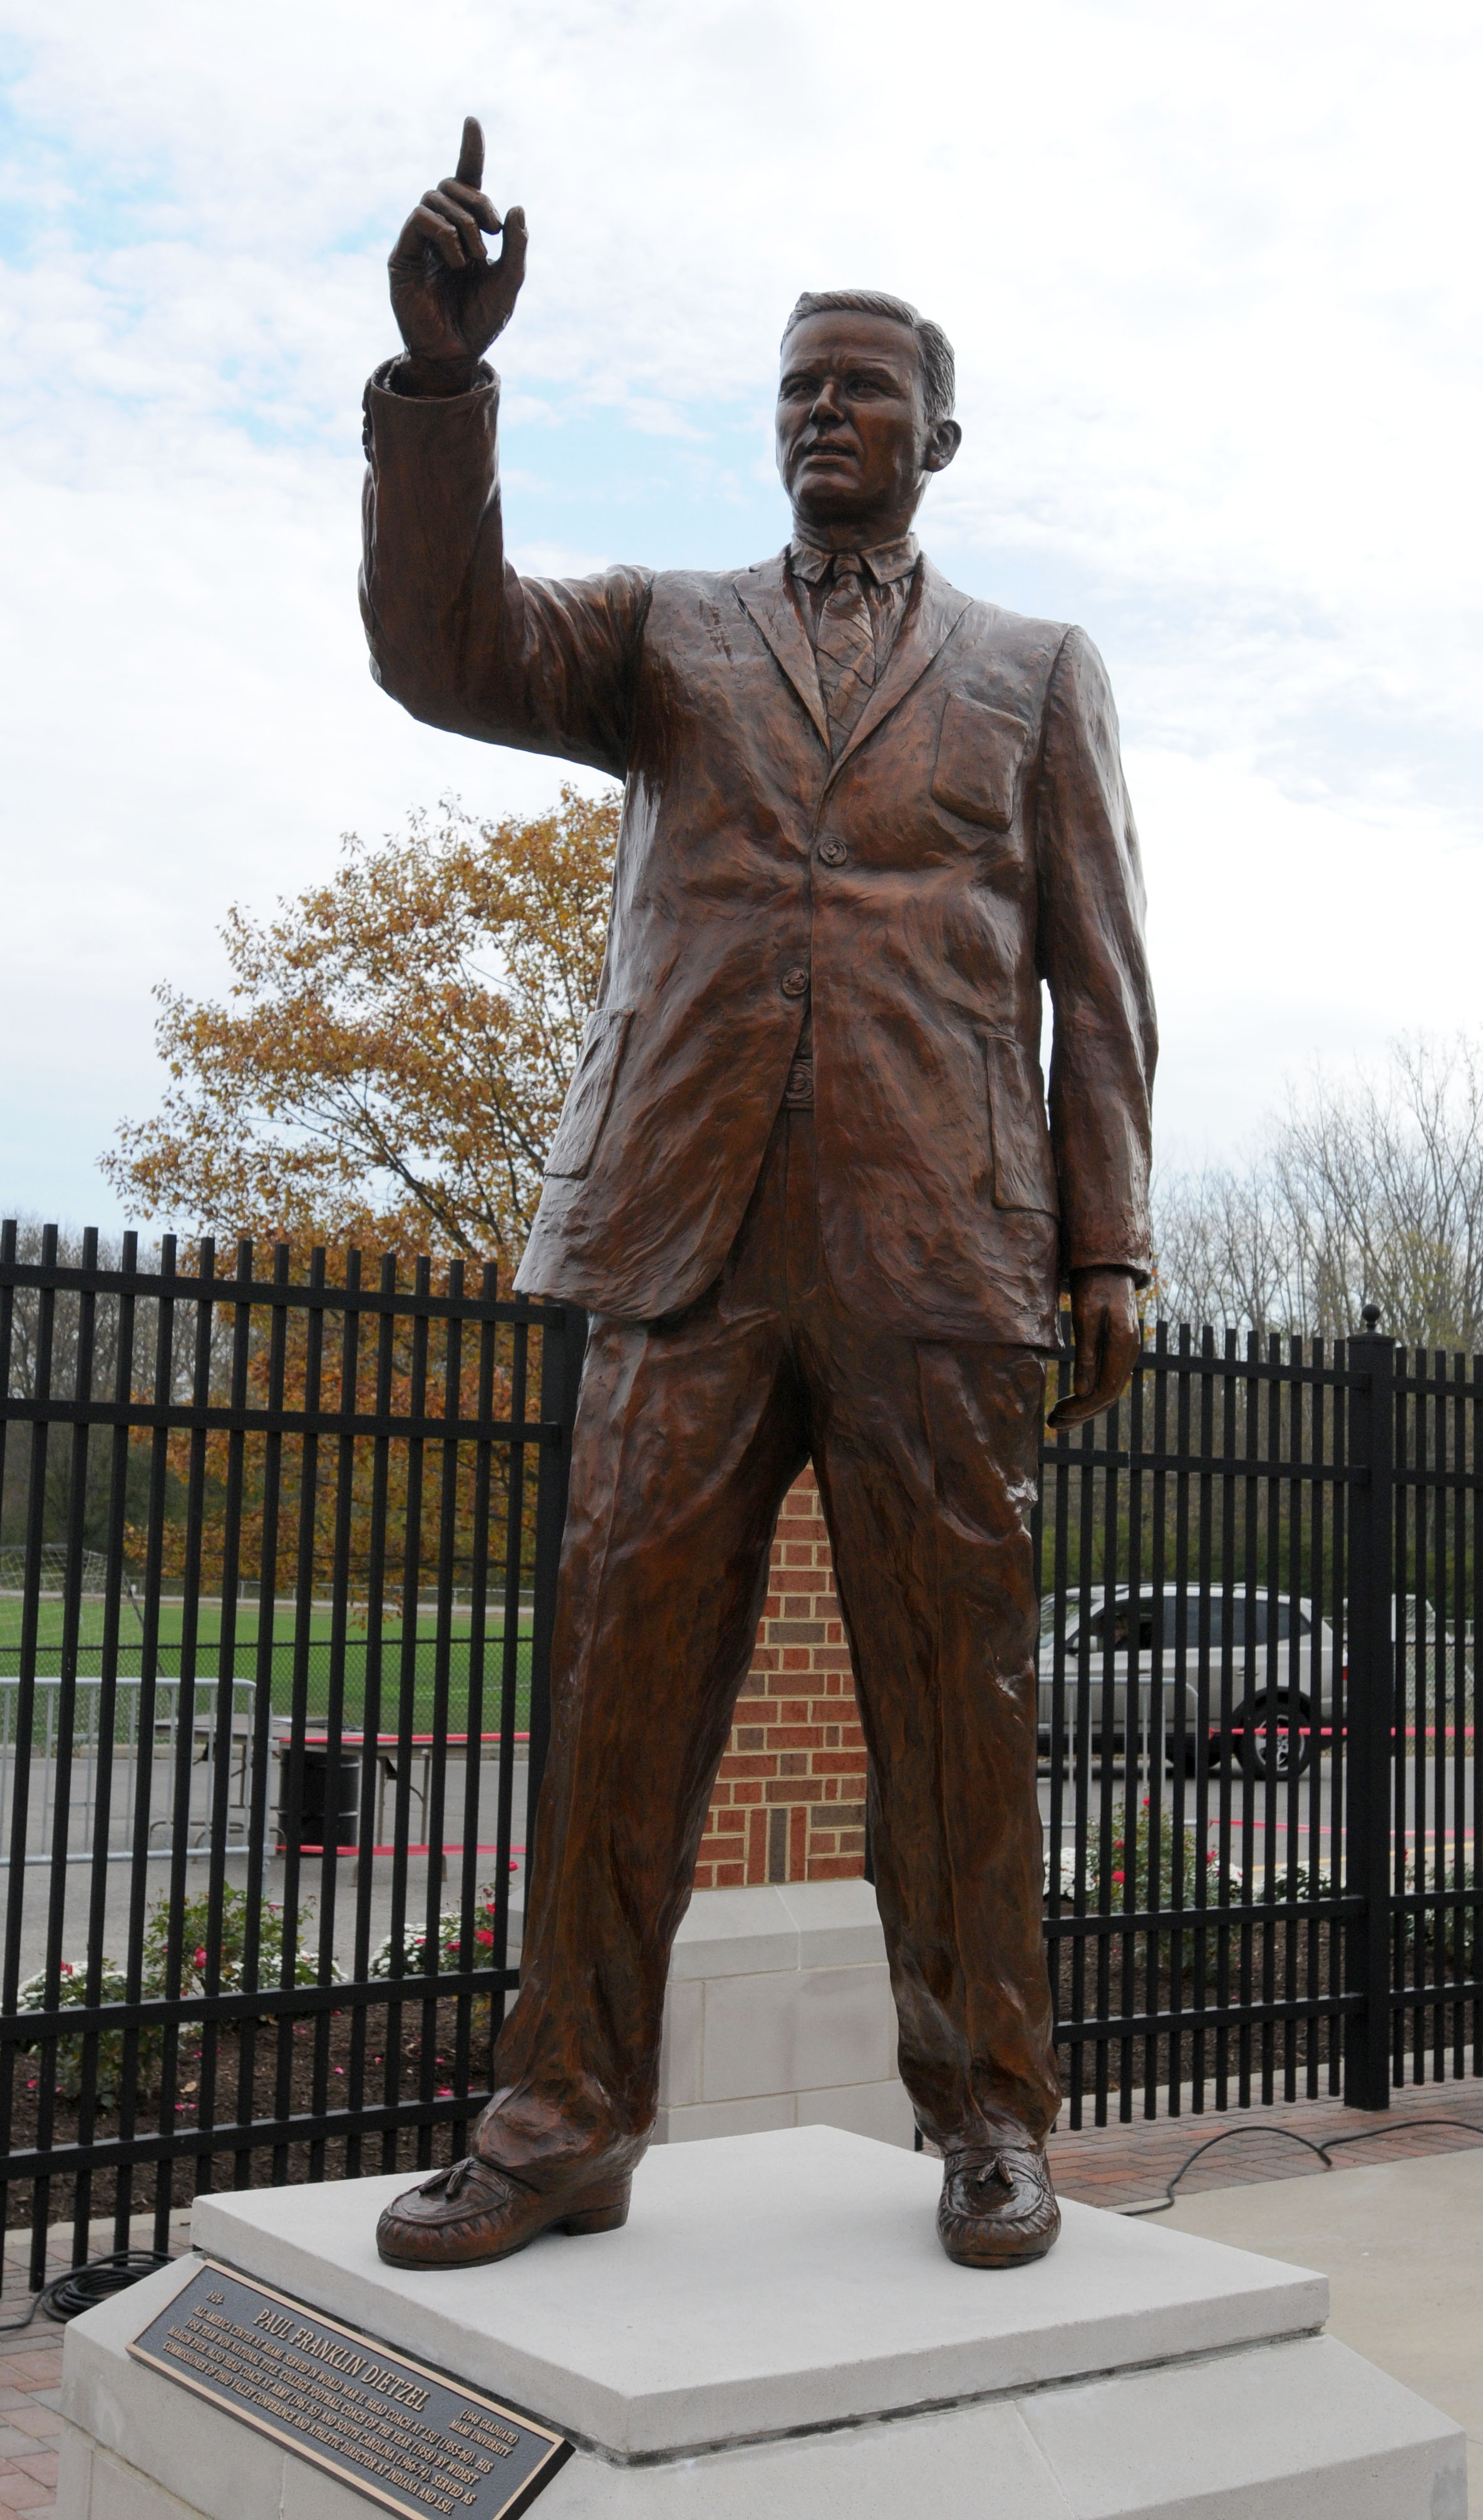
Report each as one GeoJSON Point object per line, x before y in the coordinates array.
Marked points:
{"type": "Point", "coordinates": [845, 648]}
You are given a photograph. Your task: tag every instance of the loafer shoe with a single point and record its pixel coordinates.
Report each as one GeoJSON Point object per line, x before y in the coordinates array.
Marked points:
{"type": "Point", "coordinates": [998, 2207]}
{"type": "Point", "coordinates": [476, 2211]}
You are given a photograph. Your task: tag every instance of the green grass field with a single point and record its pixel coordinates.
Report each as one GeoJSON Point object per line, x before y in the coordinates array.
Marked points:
{"type": "Point", "coordinates": [408, 1663]}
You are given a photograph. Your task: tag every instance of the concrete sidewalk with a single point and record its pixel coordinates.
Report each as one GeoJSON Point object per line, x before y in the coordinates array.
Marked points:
{"type": "Point", "coordinates": [1403, 2249]}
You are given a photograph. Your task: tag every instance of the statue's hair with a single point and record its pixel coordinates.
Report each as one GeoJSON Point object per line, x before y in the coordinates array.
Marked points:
{"type": "Point", "coordinates": [939, 373]}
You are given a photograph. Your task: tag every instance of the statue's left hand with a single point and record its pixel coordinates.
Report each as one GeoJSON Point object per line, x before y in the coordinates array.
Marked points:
{"type": "Point", "coordinates": [1108, 1333]}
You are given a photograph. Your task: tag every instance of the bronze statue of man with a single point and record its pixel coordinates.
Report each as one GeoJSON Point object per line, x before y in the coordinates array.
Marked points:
{"type": "Point", "coordinates": [806, 1185]}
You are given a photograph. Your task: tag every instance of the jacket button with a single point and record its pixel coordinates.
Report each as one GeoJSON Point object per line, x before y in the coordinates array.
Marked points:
{"type": "Point", "coordinates": [834, 852]}
{"type": "Point", "coordinates": [795, 984]}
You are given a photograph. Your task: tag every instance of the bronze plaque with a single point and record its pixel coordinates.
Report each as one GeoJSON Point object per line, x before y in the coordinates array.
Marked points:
{"type": "Point", "coordinates": [405, 2436]}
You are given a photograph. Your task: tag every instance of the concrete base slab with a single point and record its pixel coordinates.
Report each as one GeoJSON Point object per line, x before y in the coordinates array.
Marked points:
{"type": "Point", "coordinates": [777, 2331]}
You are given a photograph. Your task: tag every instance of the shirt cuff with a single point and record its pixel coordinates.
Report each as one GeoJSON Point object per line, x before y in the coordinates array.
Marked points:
{"type": "Point", "coordinates": [383, 379]}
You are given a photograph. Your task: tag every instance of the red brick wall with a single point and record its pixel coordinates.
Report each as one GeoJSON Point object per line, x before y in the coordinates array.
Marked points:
{"type": "Point", "coordinates": [789, 1800]}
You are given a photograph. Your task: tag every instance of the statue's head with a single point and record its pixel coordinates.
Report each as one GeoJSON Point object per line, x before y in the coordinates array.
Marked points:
{"type": "Point", "coordinates": [864, 413]}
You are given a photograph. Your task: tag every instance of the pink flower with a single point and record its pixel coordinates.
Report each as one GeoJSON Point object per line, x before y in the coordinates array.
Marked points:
{"type": "Point", "coordinates": [67, 1969]}
{"type": "Point", "coordinates": [200, 1959]}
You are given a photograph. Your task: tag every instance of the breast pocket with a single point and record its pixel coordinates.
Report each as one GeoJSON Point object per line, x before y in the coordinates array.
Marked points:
{"type": "Point", "coordinates": [590, 1092]}
{"type": "Point", "coordinates": [1024, 1172]}
{"type": "Point", "coordinates": [981, 752]}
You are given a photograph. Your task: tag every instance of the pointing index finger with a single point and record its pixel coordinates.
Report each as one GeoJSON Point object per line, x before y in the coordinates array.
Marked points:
{"type": "Point", "coordinates": [470, 156]}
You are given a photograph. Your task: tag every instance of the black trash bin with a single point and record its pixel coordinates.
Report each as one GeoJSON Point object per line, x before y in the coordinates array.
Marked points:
{"type": "Point", "coordinates": [319, 1797]}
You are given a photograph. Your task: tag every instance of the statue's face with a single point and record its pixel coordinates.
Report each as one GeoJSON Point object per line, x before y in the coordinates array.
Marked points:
{"type": "Point", "coordinates": [854, 445]}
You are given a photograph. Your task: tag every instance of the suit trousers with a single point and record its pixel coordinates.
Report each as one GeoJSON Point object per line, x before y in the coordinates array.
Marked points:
{"type": "Point", "coordinates": [689, 1432]}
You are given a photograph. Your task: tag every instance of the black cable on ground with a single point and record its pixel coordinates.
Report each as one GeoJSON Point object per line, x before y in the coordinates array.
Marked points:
{"type": "Point", "coordinates": [84, 2287]}
{"type": "Point", "coordinates": [1371, 2134]}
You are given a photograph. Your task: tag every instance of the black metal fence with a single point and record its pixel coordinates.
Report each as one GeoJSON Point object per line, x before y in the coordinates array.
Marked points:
{"type": "Point", "coordinates": [1262, 1576]}
{"type": "Point", "coordinates": [277, 1572]}
{"type": "Point", "coordinates": [276, 1575]}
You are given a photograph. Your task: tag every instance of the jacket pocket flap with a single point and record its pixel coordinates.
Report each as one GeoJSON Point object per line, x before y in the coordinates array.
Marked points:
{"type": "Point", "coordinates": [979, 753]}
{"type": "Point", "coordinates": [1024, 1168]}
{"type": "Point", "coordinates": [590, 1092]}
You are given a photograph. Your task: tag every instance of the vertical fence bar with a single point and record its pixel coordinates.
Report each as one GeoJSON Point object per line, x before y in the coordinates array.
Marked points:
{"type": "Point", "coordinates": [510, 1662]}
{"type": "Point", "coordinates": [1140, 1887]}
{"type": "Point", "coordinates": [30, 1637]}
{"type": "Point", "coordinates": [1164, 1734]}
{"type": "Point", "coordinates": [1370, 1711]}
{"type": "Point", "coordinates": [563, 1342]}
{"type": "Point", "coordinates": [263, 1740]}
{"type": "Point", "coordinates": [10, 2057]}
{"type": "Point", "coordinates": [1088, 1742]}
{"type": "Point", "coordinates": [297, 1796]}
{"type": "Point", "coordinates": [335, 1700]}
{"type": "Point", "coordinates": [63, 1788]}
{"type": "Point", "coordinates": [180, 1956]}
{"type": "Point", "coordinates": [1189, 1752]}
{"type": "Point", "coordinates": [1061, 1742]}
{"type": "Point", "coordinates": [487, 1944]}
{"type": "Point", "coordinates": [436, 2074]}
{"type": "Point", "coordinates": [1470, 1811]}
{"type": "Point", "coordinates": [137, 2048]}
{"type": "Point", "coordinates": [107, 1687]}
{"type": "Point", "coordinates": [227, 1742]}
{"type": "Point", "coordinates": [370, 1724]}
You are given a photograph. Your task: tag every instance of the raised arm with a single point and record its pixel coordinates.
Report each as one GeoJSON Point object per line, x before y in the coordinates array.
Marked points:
{"type": "Point", "coordinates": [1105, 1037]}
{"type": "Point", "coordinates": [454, 634]}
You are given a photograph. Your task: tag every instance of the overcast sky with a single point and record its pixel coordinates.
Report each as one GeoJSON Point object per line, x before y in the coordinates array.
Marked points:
{"type": "Point", "coordinates": [1212, 274]}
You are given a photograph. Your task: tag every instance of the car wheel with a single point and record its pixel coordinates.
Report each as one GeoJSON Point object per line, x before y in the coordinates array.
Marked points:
{"type": "Point", "coordinates": [1277, 1737]}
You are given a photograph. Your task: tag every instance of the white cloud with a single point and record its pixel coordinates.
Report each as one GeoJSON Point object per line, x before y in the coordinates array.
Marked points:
{"type": "Point", "coordinates": [1213, 282]}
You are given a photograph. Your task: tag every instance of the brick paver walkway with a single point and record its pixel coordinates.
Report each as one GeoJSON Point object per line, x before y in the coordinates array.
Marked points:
{"type": "Point", "coordinates": [1129, 2165]}
{"type": "Point", "coordinates": [30, 2393]}
{"type": "Point", "coordinates": [30, 2366]}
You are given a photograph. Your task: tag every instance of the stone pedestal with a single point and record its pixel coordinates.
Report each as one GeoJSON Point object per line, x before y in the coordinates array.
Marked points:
{"type": "Point", "coordinates": [779, 2013]}
{"type": "Point", "coordinates": [777, 2331]}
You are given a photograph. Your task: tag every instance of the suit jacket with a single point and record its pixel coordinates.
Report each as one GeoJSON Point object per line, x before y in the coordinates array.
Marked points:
{"type": "Point", "coordinates": [973, 839]}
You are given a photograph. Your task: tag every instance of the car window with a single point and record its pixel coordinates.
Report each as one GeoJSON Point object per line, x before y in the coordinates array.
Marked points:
{"type": "Point", "coordinates": [1234, 1619]}
{"type": "Point", "coordinates": [1201, 1618]}
{"type": "Point", "coordinates": [1130, 1624]}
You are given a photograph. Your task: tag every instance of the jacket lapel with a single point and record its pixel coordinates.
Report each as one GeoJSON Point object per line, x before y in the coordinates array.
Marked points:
{"type": "Point", "coordinates": [766, 594]}
{"type": "Point", "coordinates": [931, 618]}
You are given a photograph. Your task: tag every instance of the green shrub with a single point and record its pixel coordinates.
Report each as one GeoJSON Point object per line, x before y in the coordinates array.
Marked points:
{"type": "Point", "coordinates": [413, 1944]}
{"type": "Point", "coordinates": [1131, 1873]}
{"type": "Point", "coordinates": [231, 1949]}
{"type": "Point", "coordinates": [113, 1986]}
{"type": "Point", "coordinates": [73, 1989]}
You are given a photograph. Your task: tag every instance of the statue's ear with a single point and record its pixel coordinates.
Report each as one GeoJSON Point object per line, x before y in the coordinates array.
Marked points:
{"type": "Point", "coordinates": [944, 438]}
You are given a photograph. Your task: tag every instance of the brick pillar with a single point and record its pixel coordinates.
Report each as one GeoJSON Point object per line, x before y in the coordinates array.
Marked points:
{"type": "Point", "coordinates": [789, 1800]}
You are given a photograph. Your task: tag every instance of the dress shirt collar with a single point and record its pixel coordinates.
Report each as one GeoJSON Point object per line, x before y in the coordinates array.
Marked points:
{"type": "Point", "coordinates": [885, 563]}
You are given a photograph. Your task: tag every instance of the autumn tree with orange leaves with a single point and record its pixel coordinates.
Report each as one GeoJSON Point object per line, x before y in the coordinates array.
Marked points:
{"type": "Point", "coordinates": [389, 1063]}
{"type": "Point", "coordinates": [383, 1079]}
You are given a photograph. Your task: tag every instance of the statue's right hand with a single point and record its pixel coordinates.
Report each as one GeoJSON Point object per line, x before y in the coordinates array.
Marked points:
{"type": "Point", "coordinates": [449, 299]}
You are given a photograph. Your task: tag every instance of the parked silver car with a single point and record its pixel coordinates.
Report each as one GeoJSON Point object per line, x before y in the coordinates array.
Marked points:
{"type": "Point", "coordinates": [1256, 1671]}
